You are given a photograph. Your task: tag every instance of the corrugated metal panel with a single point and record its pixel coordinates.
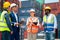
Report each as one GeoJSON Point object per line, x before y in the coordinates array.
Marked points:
{"type": "Point", "coordinates": [27, 4]}
{"type": "Point", "coordinates": [58, 20]}
{"type": "Point", "coordinates": [41, 2]}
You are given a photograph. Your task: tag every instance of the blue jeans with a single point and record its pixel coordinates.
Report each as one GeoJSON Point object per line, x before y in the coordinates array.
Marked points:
{"type": "Point", "coordinates": [5, 35]}
{"type": "Point", "coordinates": [50, 36]}
{"type": "Point", "coordinates": [21, 33]}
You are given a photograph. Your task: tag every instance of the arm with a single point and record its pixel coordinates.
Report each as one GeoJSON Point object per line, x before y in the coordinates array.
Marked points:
{"type": "Point", "coordinates": [27, 22]}
{"type": "Point", "coordinates": [38, 23]}
{"type": "Point", "coordinates": [43, 22]}
{"type": "Point", "coordinates": [12, 23]}
{"type": "Point", "coordinates": [13, 20]}
{"type": "Point", "coordinates": [8, 21]}
{"type": "Point", "coordinates": [55, 22]}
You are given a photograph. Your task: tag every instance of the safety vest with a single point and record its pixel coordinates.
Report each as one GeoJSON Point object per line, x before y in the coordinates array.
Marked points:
{"type": "Point", "coordinates": [48, 22]}
{"type": "Point", "coordinates": [32, 28]}
{"type": "Point", "coordinates": [3, 24]}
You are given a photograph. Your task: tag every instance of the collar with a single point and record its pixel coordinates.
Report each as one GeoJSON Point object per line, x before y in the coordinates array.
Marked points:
{"type": "Point", "coordinates": [14, 12]}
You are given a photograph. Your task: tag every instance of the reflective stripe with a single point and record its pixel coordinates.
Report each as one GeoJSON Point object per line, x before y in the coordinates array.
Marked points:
{"type": "Point", "coordinates": [49, 26]}
{"type": "Point", "coordinates": [34, 29]}
{"type": "Point", "coordinates": [48, 29]}
{"type": "Point", "coordinates": [4, 26]}
{"type": "Point", "coordinates": [4, 29]}
{"type": "Point", "coordinates": [3, 21]}
{"type": "Point", "coordinates": [28, 28]}
{"type": "Point", "coordinates": [48, 23]}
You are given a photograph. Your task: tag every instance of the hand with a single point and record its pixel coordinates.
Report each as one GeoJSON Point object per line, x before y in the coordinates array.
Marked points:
{"type": "Point", "coordinates": [11, 32]}
{"type": "Point", "coordinates": [41, 27]}
{"type": "Point", "coordinates": [16, 24]}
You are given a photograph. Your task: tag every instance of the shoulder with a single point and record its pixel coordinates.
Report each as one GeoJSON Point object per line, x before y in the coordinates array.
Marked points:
{"type": "Point", "coordinates": [28, 17]}
{"type": "Point", "coordinates": [11, 14]}
{"type": "Point", "coordinates": [6, 15]}
{"type": "Point", "coordinates": [4, 12]}
{"type": "Point", "coordinates": [53, 15]}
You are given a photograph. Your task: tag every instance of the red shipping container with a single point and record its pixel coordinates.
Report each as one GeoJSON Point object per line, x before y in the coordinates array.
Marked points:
{"type": "Point", "coordinates": [0, 35]}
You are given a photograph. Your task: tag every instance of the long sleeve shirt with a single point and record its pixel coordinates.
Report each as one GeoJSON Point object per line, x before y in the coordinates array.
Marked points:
{"type": "Point", "coordinates": [8, 21]}
{"type": "Point", "coordinates": [55, 20]}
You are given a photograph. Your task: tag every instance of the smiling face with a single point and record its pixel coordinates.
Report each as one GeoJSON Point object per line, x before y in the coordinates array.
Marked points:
{"type": "Point", "coordinates": [47, 11]}
{"type": "Point", "coordinates": [15, 9]}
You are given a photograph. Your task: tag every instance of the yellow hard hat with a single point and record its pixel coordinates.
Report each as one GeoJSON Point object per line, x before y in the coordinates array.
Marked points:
{"type": "Point", "coordinates": [6, 4]}
{"type": "Point", "coordinates": [47, 7]}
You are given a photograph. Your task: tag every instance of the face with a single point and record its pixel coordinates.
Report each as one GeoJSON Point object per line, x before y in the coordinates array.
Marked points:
{"type": "Point", "coordinates": [15, 9]}
{"type": "Point", "coordinates": [47, 12]}
{"type": "Point", "coordinates": [9, 9]}
{"type": "Point", "coordinates": [32, 14]}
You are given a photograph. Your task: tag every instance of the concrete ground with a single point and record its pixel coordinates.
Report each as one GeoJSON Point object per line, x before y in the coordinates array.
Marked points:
{"type": "Point", "coordinates": [43, 39]}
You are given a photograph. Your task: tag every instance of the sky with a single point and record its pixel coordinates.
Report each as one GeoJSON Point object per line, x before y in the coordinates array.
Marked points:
{"type": "Point", "coordinates": [51, 1]}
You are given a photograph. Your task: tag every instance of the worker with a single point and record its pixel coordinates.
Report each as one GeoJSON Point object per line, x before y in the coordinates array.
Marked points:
{"type": "Point", "coordinates": [5, 25]}
{"type": "Point", "coordinates": [14, 21]}
{"type": "Point", "coordinates": [32, 25]}
{"type": "Point", "coordinates": [49, 23]}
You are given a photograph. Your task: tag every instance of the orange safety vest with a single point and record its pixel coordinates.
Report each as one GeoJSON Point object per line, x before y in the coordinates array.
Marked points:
{"type": "Point", "coordinates": [32, 28]}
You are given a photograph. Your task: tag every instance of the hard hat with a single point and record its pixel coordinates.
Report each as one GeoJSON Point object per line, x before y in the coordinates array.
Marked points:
{"type": "Point", "coordinates": [6, 4]}
{"type": "Point", "coordinates": [32, 10]}
{"type": "Point", "coordinates": [12, 5]}
{"type": "Point", "coordinates": [47, 7]}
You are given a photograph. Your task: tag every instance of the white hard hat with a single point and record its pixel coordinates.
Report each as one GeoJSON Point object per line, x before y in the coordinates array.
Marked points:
{"type": "Point", "coordinates": [32, 10]}
{"type": "Point", "coordinates": [12, 5]}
